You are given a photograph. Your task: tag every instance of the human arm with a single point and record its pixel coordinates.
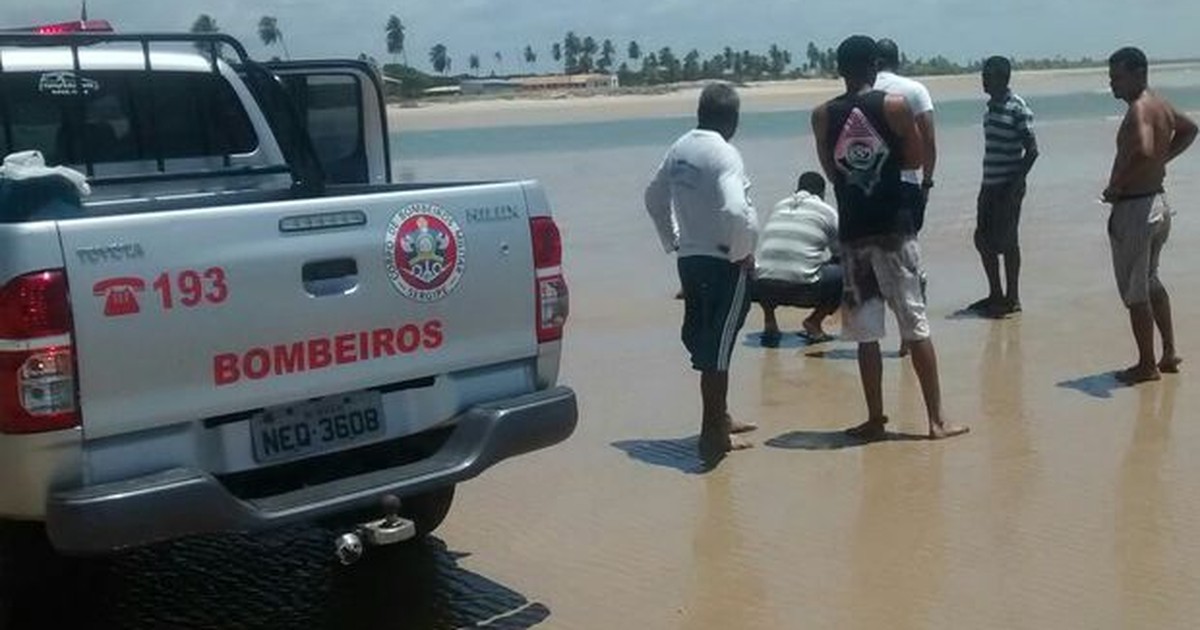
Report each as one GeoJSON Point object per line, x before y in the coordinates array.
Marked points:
{"type": "Point", "coordinates": [928, 145]}
{"type": "Point", "coordinates": [737, 209]}
{"type": "Point", "coordinates": [819, 121]}
{"type": "Point", "coordinates": [922, 108]}
{"type": "Point", "coordinates": [900, 119]}
{"type": "Point", "coordinates": [1185, 134]}
{"type": "Point", "coordinates": [657, 199]}
{"type": "Point", "coordinates": [1028, 141]}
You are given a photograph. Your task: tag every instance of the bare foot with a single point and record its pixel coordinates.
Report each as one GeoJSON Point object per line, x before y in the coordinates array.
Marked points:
{"type": "Point", "coordinates": [1138, 374]}
{"type": "Point", "coordinates": [1169, 365]}
{"type": "Point", "coordinates": [715, 446]}
{"type": "Point", "coordinates": [941, 431]}
{"type": "Point", "coordinates": [736, 426]}
{"type": "Point", "coordinates": [873, 429]}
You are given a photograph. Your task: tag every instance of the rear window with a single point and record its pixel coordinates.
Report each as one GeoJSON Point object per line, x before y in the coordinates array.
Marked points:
{"type": "Point", "coordinates": [122, 116]}
{"type": "Point", "coordinates": [331, 108]}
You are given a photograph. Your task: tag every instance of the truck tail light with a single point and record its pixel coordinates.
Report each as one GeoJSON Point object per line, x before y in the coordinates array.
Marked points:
{"type": "Point", "coordinates": [553, 298]}
{"type": "Point", "coordinates": [37, 360]}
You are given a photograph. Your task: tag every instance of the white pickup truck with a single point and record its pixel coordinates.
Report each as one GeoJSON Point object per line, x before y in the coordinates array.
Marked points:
{"type": "Point", "coordinates": [247, 324]}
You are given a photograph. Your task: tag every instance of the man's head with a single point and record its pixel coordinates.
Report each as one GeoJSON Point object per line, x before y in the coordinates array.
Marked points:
{"type": "Point", "coordinates": [718, 109]}
{"type": "Point", "coordinates": [1127, 73]}
{"type": "Point", "coordinates": [811, 182]}
{"type": "Point", "coordinates": [996, 73]}
{"type": "Point", "coordinates": [889, 55]}
{"type": "Point", "coordinates": [857, 59]}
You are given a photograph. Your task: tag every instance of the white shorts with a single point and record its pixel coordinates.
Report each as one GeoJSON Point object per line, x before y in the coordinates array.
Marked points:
{"type": "Point", "coordinates": [878, 271]}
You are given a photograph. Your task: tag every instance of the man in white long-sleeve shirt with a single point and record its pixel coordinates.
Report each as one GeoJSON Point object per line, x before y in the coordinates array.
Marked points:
{"type": "Point", "coordinates": [700, 204]}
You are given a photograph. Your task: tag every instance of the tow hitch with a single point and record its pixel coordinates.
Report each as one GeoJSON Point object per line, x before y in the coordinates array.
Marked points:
{"type": "Point", "coordinates": [389, 530]}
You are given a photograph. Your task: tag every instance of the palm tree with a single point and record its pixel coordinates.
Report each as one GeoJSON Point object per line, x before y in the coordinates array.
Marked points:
{"type": "Point", "coordinates": [205, 24]}
{"type": "Point", "coordinates": [813, 54]}
{"type": "Point", "coordinates": [634, 52]}
{"type": "Point", "coordinates": [395, 38]}
{"type": "Point", "coordinates": [607, 51]}
{"type": "Point", "coordinates": [499, 60]}
{"type": "Point", "coordinates": [439, 59]}
{"type": "Point", "coordinates": [530, 56]}
{"type": "Point", "coordinates": [589, 50]}
{"type": "Point", "coordinates": [556, 52]}
{"type": "Point", "coordinates": [269, 33]}
{"type": "Point", "coordinates": [571, 49]}
{"type": "Point", "coordinates": [473, 62]}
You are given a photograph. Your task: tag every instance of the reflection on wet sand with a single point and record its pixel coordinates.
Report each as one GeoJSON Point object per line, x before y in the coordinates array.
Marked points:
{"type": "Point", "coordinates": [897, 542]}
{"type": "Point", "coordinates": [1013, 468]}
{"type": "Point", "coordinates": [724, 590]}
{"type": "Point", "coordinates": [1152, 580]}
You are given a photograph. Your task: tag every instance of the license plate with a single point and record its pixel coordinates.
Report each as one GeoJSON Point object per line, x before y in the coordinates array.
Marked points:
{"type": "Point", "coordinates": [328, 424]}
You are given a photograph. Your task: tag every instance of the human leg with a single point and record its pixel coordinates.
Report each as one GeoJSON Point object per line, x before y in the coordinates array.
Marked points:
{"type": "Point", "coordinates": [1160, 301]}
{"type": "Point", "coordinates": [1012, 273]}
{"type": "Point", "coordinates": [770, 334]}
{"type": "Point", "coordinates": [924, 360]}
{"type": "Point", "coordinates": [900, 284]}
{"type": "Point", "coordinates": [829, 295]}
{"type": "Point", "coordinates": [1012, 246]}
{"type": "Point", "coordinates": [870, 372]}
{"type": "Point", "coordinates": [717, 298]}
{"type": "Point", "coordinates": [1130, 235]}
{"type": "Point", "coordinates": [716, 428]}
{"type": "Point", "coordinates": [863, 321]}
{"type": "Point", "coordinates": [985, 237]}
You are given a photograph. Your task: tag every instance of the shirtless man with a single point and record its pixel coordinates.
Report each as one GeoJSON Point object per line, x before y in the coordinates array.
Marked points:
{"type": "Point", "coordinates": [1152, 134]}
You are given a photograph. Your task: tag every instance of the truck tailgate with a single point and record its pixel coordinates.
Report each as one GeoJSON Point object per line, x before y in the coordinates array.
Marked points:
{"type": "Point", "coordinates": [200, 313]}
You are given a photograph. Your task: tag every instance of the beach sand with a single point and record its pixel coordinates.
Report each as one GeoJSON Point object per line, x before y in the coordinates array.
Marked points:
{"type": "Point", "coordinates": [1072, 503]}
{"type": "Point", "coordinates": [560, 108]}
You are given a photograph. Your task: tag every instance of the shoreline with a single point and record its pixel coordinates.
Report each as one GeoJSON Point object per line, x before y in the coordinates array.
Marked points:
{"type": "Point", "coordinates": [678, 100]}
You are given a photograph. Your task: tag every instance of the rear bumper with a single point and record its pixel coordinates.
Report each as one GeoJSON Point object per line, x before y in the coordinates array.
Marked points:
{"type": "Point", "coordinates": [181, 502]}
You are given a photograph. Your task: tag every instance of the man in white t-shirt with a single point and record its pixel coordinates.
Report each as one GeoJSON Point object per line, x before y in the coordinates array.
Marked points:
{"type": "Point", "coordinates": [700, 204]}
{"type": "Point", "coordinates": [919, 101]}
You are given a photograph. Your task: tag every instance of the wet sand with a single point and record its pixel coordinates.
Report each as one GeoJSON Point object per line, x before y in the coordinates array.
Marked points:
{"type": "Point", "coordinates": [1072, 504]}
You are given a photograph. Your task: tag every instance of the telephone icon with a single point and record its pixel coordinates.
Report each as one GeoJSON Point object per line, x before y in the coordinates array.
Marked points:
{"type": "Point", "coordinates": [120, 295]}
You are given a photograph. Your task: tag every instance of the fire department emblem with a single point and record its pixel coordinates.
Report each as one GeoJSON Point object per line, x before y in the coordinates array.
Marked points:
{"type": "Point", "coordinates": [423, 252]}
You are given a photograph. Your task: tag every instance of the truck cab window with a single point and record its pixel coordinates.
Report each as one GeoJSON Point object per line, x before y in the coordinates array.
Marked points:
{"type": "Point", "coordinates": [127, 116]}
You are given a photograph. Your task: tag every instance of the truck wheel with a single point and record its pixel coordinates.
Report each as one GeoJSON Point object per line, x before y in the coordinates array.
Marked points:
{"type": "Point", "coordinates": [427, 510]}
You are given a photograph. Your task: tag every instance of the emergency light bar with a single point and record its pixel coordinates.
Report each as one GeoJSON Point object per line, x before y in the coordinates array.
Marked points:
{"type": "Point", "coordinates": [76, 26]}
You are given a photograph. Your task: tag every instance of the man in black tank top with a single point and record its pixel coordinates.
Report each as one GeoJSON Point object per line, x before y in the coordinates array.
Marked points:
{"type": "Point", "coordinates": [871, 151]}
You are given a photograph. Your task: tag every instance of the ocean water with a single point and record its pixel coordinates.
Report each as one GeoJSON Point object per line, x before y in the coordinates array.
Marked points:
{"type": "Point", "coordinates": [420, 145]}
{"type": "Point", "coordinates": [595, 173]}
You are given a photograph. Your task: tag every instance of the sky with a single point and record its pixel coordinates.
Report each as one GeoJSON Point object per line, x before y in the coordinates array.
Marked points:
{"type": "Point", "coordinates": [961, 30]}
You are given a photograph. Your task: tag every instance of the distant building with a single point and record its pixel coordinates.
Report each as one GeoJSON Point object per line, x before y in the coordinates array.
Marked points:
{"type": "Point", "coordinates": [569, 82]}
{"type": "Point", "coordinates": [443, 90]}
{"type": "Point", "coordinates": [488, 86]}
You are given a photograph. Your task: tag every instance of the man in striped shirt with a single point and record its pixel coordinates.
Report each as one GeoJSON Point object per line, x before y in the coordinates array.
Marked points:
{"type": "Point", "coordinates": [796, 263]}
{"type": "Point", "coordinates": [1009, 153]}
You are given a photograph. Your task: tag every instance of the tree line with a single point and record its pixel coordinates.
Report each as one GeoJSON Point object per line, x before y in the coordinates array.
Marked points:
{"type": "Point", "coordinates": [632, 63]}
